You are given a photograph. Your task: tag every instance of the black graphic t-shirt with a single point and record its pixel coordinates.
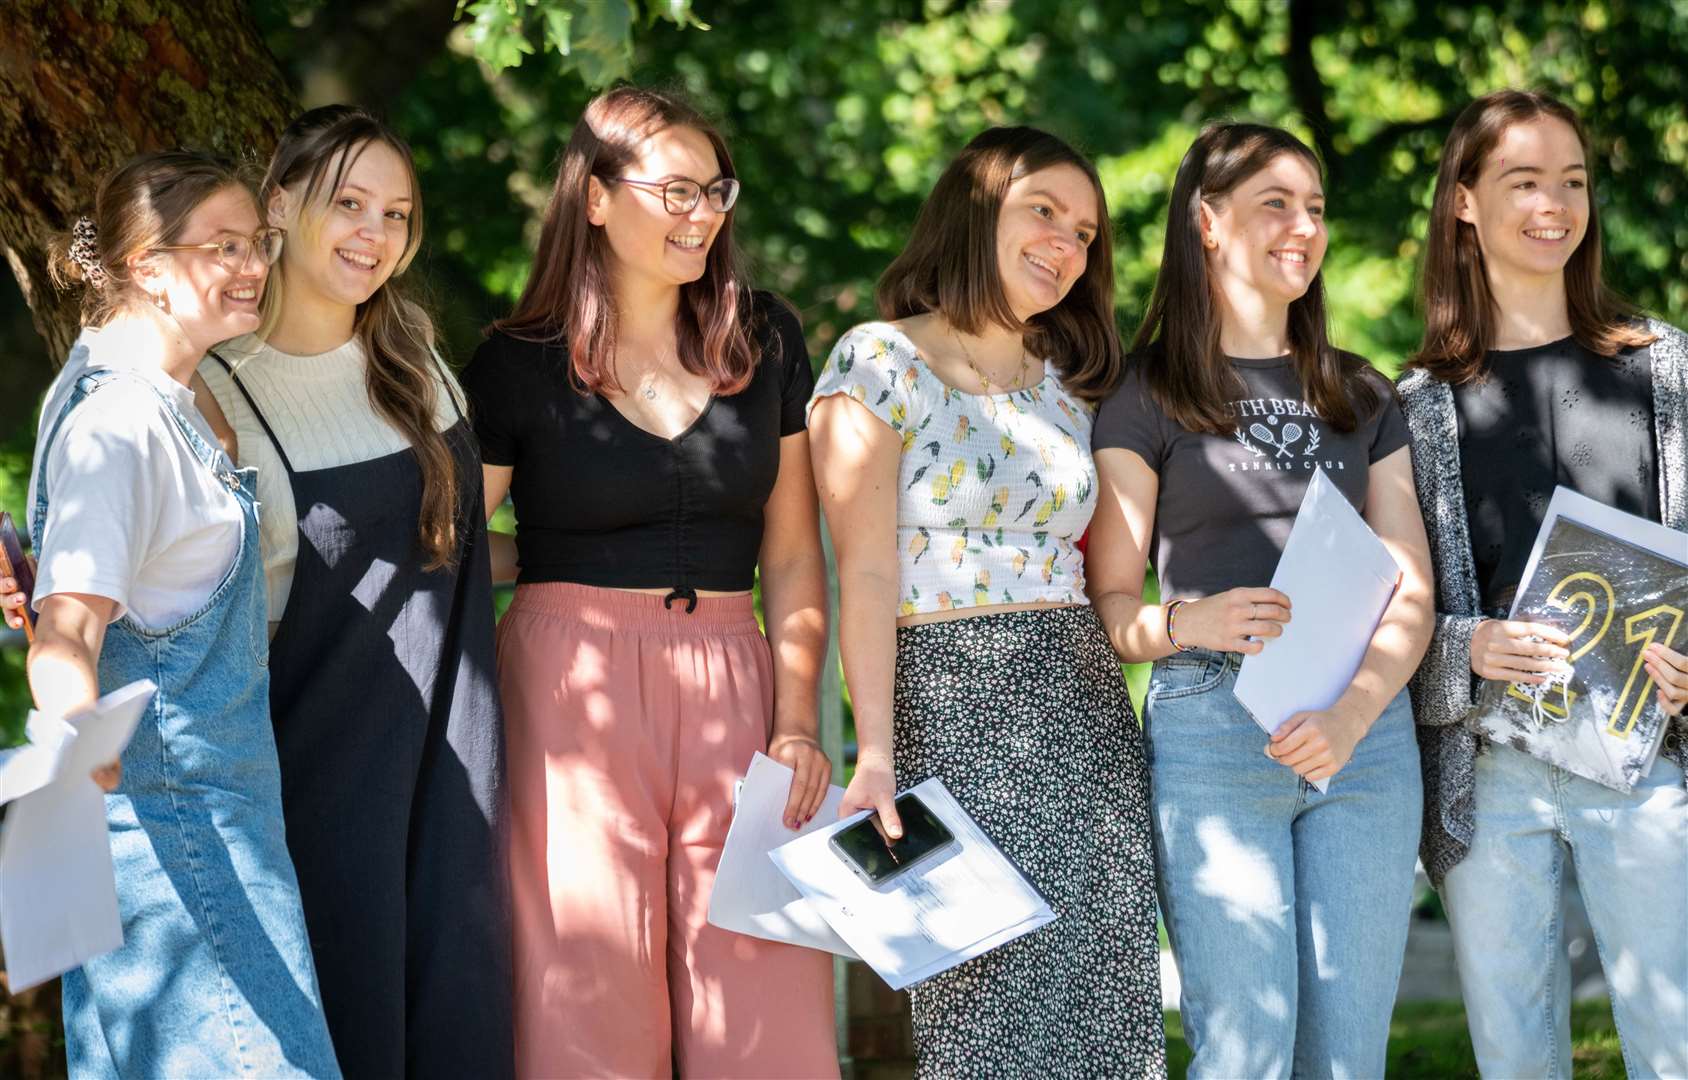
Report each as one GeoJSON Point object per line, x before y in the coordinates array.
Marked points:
{"type": "Point", "coordinates": [1227, 502]}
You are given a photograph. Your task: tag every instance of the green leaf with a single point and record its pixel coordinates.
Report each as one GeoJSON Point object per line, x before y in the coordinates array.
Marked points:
{"type": "Point", "coordinates": [557, 22]}
{"type": "Point", "coordinates": [496, 34]}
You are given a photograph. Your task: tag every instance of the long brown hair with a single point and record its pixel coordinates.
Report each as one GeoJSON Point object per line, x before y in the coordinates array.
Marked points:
{"type": "Point", "coordinates": [1177, 347]}
{"type": "Point", "coordinates": [403, 375]}
{"type": "Point", "coordinates": [1459, 309]}
{"type": "Point", "coordinates": [143, 203]}
{"type": "Point", "coordinates": [950, 263]}
{"type": "Point", "coordinates": [570, 296]}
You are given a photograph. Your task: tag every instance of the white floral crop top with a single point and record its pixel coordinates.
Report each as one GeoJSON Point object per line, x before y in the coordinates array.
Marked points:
{"type": "Point", "coordinates": [995, 489]}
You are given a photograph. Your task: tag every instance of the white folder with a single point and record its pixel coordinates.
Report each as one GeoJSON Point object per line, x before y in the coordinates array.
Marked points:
{"type": "Point", "coordinates": [1339, 579]}
{"type": "Point", "coordinates": [58, 890]}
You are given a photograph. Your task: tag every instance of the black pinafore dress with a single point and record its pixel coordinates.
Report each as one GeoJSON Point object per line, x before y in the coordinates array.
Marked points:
{"type": "Point", "coordinates": [383, 693]}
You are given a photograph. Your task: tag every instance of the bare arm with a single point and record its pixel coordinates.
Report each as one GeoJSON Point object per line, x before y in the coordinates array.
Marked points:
{"type": "Point", "coordinates": [1236, 620]}
{"type": "Point", "coordinates": [63, 673]}
{"type": "Point", "coordinates": [794, 607]}
{"type": "Point", "coordinates": [856, 457]}
{"type": "Point", "coordinates": [1318, 745]}
{"type": "Point", "coordinates": [501, 547]}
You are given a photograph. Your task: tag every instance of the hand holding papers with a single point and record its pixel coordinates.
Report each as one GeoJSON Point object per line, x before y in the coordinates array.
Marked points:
{"type": "Point", "coordinates": [751, 896]}
{"type": "Point", "coordinates": [58, 893]}
{"type": "Point", "coordinates": [1340, 578]}
{"type": "Point", "coordinates": [1616, 583]}
{"type": "Point", "coordinates": [961, 903]}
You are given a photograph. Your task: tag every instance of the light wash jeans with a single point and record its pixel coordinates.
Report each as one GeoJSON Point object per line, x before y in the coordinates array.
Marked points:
{"type": "Point", "coordinates": [1503, 902]}
{"type": "Point", "coordinates": [214, 977]}
{"type": "Point", "coordinates": [1287, 909]}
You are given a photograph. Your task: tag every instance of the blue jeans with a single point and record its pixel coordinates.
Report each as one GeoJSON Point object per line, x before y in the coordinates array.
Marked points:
{"type": "Point", "coordinates": [1503, 902]}
{"type": "Point", "coordinates": [1287, 909]}
{"type": "Point", "coordinates": [214, 977]}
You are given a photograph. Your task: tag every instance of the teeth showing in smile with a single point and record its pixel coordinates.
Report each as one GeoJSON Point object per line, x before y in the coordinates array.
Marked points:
{"type": "Point", "coordinates": [1290, 256]}
{"type": "Point", "coordinates": [244, 292]}
{"type": "Point", "coordinates": [690, 243]}
{"type": "Point", "coordinates": [1547, 234]}
{"type": "Point", "coordinates": [358, 258]}
{"type": "Point", "coordinates": [1046, 267]}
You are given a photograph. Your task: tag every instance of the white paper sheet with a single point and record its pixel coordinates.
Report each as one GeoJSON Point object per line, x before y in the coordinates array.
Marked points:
{"type": "Point", "coordinates": [1339, 578]}
{"type": "Point", "coordinates": [58, 892]}
{"type": "Point", "coordinates": [751, 896]}
{"type": "Point", "coordinates": [929, 919]}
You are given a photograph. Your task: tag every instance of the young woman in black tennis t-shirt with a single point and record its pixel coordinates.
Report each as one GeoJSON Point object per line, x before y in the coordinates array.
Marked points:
{"type": "Point", "coordinates": [645, 411]}
{"type": "Point", "coordinates": [1286, 906]}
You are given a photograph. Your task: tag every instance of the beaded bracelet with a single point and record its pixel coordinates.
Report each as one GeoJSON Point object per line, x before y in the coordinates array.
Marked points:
{"type": "Point", "coordinates": [1171, 616]}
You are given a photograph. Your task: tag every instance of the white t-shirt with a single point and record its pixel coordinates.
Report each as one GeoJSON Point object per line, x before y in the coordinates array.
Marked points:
{"type": "Point", "coordinates": [133, 515]}
{"type": "Point", "coordinates": [320, 410]}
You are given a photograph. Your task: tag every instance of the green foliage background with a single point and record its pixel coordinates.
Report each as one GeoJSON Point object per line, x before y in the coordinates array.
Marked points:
{"type": "Point", "coordinates": [841, 115]}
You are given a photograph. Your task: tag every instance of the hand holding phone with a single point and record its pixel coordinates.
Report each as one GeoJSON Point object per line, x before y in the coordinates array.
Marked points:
{"type": "Point", "coordinates": [20, 568]}
{"type": "Point", "coordinates": [876, 858]}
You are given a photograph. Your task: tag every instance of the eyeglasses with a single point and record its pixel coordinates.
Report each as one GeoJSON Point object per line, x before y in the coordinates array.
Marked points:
{"type": "Point", "coordinates": [681, 196]}
{"type": "Point", "coordinates": [234, 251]}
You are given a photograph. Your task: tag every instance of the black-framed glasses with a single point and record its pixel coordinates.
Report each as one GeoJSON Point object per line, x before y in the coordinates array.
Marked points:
{"type": "Point", "coordinates": [233, 251]}
{"type": "Point", "coordinates": [681, 196]}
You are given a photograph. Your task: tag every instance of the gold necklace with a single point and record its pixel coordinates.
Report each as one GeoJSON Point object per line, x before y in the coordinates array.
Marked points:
{"type": "Point", "coordinates": [985, 380]}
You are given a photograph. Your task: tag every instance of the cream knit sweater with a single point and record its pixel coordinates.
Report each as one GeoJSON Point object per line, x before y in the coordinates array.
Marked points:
{"type": "Point", "coordinates": [319, 408]}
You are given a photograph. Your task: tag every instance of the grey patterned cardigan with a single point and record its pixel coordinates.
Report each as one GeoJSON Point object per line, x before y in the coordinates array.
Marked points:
{"type": "Point", "coordinates": [1443, 688]}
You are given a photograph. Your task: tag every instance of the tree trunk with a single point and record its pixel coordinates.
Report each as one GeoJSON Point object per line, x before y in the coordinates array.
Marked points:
{"type": "Point", "coordinates": [85, 84]}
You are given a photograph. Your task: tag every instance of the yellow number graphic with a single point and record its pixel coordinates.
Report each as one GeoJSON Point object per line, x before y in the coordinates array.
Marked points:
{"type": "Point", "coordinates": [1620, 724]}
{"type": "Point", "coordinates": [1566, 596]}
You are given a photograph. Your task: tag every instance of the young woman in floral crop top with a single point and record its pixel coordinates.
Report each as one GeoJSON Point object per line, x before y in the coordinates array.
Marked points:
{"type": "Point", "coordinates": [952, 453]}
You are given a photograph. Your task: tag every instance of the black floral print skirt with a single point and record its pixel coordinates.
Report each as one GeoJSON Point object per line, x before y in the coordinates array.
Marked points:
{"type": "Point", "coordinates": [1025, 718]}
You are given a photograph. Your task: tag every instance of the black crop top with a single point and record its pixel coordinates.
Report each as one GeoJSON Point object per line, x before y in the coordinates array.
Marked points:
{"type": "Point", "coordinates": [600, 501]}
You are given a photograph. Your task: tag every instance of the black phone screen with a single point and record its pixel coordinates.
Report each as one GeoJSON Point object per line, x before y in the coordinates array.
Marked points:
{"type": "Point", "coordinates": [880, 858]}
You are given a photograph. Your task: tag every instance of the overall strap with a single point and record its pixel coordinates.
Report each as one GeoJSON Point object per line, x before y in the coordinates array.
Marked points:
{"type": "Point", "coordinates": [86, 384]}
{"type": "Point", "coordinates": [257, 412]}
{"type": "Point", "coordinates": [447, 383]}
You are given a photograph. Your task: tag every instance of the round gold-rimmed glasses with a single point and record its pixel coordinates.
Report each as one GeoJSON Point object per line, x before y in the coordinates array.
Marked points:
{"type": "Point", "coordinates": [681, 196]}
{"type": "Point", "coordinates": [233, 251]}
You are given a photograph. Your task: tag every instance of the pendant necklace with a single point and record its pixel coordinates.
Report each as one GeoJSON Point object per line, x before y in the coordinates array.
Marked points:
{"type": "Point", "coordinates": [985, 380]}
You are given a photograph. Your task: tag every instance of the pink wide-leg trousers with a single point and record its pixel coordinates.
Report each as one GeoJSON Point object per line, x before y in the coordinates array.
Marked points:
{"type": "Point", "coordinates": [627, 724]}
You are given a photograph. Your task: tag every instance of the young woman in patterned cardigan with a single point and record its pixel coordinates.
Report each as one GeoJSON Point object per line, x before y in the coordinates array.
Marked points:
{"type": "Point", "coordinates": [1531, 374]}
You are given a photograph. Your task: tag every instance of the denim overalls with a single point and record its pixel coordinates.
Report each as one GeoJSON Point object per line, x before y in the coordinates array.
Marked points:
{"type": "Point", "coordinates": [214, 977]}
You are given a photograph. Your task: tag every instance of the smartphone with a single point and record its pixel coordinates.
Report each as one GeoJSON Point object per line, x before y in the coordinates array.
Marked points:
{"type": "Point", "coordinates": [15, 564]}
{"type": "Point", "coordinates": [876, 858]}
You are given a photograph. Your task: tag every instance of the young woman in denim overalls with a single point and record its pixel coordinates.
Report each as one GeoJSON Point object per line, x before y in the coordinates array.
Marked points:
{"type": "Point", "coordinates": [149, 569]}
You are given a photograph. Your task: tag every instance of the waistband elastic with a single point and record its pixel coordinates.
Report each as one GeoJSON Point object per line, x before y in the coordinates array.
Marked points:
{"type": "Point", "coordinates": [618, 609]}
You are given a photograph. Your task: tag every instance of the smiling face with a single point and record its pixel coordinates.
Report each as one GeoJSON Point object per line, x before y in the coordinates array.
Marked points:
{"type": "Point", "coordinates": [350, 240]}
{"type": "Point", "coordinates": [208, 301]}
{"type": "Point", "coordinates": [645, 240]}
{"type": "Point", "coordinates": [1043, 235]}
{"type": "Point", "coordinates": [1267, 237]}
{"type": "Point", "coordinates": [1529, 203]}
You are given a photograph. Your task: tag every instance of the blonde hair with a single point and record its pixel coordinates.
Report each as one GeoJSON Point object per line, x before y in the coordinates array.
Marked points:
{"type": "Point", "coordinates": [311, 159]}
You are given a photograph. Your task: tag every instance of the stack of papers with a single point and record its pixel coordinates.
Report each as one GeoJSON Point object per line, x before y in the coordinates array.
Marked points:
{"type": "Point", "coordinates": [58, 891]}
{"type": "Point", "coordinates": [964, 903]}
{"type": "Point", "coordinates": [1339, 579]}
{"type": "Point", "coordinates": [751, 896]}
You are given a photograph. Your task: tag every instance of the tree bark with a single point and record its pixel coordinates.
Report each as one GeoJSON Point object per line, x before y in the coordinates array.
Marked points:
{"type": "Point", "coordinates": [85, 84]}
